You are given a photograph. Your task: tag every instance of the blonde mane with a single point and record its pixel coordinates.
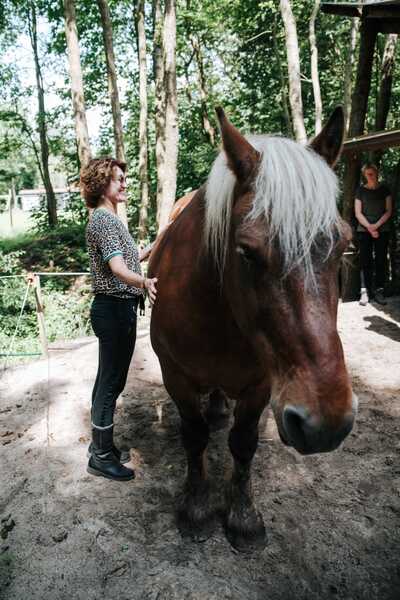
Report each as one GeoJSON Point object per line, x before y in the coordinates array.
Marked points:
{"type": "Point", "coordinates": [295, 192]}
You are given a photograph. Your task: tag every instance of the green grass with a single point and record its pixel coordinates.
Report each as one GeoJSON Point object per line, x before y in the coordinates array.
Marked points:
{"type": "Point", "coordinates": [21, 223]}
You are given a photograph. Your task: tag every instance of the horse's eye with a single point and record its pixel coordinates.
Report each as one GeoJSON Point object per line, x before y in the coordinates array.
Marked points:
{"type": "Point", "coordinates": [248, 254]}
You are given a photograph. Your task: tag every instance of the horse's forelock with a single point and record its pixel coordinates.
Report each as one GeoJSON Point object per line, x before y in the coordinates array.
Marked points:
{"type": "Point", "coordinates": [294, 190]}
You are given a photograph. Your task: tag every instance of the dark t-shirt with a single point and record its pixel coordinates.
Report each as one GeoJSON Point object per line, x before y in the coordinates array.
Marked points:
{"type": "Point", "coordinates": [373, 205]}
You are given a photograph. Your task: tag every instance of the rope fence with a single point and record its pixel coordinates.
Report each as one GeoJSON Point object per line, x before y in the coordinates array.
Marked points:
{"type": "Point", "coordinates": [34, 282]}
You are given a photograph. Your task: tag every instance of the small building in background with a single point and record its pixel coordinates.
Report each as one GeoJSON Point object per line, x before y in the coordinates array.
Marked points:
{"type": "Point", "coordinates": [29, 200]}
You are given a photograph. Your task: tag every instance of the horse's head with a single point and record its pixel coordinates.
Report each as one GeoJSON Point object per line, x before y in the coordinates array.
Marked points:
{"type": "Point", "coordinates": [273, 227]}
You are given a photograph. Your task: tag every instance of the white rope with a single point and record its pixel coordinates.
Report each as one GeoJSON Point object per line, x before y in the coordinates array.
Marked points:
{"type": "Point", "coordinates": [18, 322]}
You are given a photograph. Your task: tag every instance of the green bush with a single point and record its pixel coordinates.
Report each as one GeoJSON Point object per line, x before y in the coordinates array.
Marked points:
{"type": "Point", "coordinates": [66, 299]}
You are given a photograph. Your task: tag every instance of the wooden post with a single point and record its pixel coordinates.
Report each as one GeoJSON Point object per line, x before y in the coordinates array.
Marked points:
{"type": "Point", "coordinates": [368, 33]}
{"type": "Point", "coordinates": [40, 315]}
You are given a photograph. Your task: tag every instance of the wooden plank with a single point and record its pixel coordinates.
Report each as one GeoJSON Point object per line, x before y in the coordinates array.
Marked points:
{"type": "Point", "coordinates": [383, 9]}
{"type": "Point", "coordinates": [373, 141]}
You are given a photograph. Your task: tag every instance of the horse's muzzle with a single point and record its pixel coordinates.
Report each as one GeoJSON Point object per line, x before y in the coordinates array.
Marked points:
{"type": "Point", "coordinates": [309, 435]}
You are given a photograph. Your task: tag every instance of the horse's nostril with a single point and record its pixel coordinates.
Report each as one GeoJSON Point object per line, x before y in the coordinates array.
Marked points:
{"type": "Point", "coordinates": [294, 421]}
{"type": "Point", "coordinates": [308, 434]}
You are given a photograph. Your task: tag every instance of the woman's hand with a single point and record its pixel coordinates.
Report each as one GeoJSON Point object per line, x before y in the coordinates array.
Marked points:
{"type": "Point", "coordinates": [373, 231]}
{"type": "Point", "coordinates": [150, 286]}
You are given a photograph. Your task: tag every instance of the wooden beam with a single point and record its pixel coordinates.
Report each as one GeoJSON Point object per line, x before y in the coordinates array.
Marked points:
{"type": "Point", "coordinates": [372, 141]}
{"type": "Point", "coordinates": [388, 25]}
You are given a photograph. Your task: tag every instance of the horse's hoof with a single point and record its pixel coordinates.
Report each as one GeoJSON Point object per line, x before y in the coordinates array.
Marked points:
{"type": "Point", "coordinates": [197, 531]}
{"type": "Point", "coordinates": [247, 541]}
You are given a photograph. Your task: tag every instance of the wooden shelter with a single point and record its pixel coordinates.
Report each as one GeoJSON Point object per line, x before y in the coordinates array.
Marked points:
{"type": "Point", "coordinates": [376, 16]}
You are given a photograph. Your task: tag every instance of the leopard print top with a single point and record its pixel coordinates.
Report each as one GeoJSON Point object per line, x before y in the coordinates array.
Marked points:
{"type": "Point", "coordinates": [107, 236]}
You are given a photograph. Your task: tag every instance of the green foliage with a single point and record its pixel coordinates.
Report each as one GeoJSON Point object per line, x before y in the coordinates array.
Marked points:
{"type": "Point", "coordinates": [66, 299]}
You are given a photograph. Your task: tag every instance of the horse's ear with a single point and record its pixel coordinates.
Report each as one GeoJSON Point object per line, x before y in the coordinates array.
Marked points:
{"type": "Point", "coordinates": [328, 143]}
{"type": "Point", "coordinates": [241, 155]}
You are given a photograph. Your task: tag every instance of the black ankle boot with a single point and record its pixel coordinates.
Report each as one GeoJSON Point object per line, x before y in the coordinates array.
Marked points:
{"type": "Point", "coordinates": [122, 455]}
{"type": "Point", "coordinates": [103, 461]}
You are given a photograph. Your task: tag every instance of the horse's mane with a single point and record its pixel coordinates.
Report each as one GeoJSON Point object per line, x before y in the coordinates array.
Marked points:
{"type": "Point", "coordinates": [294, 190]}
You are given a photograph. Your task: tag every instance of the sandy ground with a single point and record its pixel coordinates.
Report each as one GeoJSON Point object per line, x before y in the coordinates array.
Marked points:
{"type": "Point", "coordinates": [333, 521]}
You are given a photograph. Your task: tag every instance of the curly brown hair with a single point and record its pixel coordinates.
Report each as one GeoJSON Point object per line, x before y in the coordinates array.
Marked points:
{"type": "Point", "coordinates": [95, 178]}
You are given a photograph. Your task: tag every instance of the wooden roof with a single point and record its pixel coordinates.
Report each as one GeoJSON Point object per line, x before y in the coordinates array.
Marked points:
{"type": "Point", "coordinates": [385, 13]}
{"type": "Point", "coordinates": [378, 140]}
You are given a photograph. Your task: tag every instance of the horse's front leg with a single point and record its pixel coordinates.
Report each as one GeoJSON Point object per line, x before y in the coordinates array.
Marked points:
{"type": "Point", "coordinates": [244, 524]}
{"type": "Point", "coordinates": [195, 515]}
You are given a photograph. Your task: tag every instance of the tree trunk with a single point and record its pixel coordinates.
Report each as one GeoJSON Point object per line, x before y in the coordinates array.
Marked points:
{"type": "Point", "coordinates": [292, 51]}
{"type": "Point", "coordinates": [208, 128]}
{"type": "Point", "coordinates": [78, 100]}
{"type": "Point", "coordinates": [284, 95]}
{"type": "Point", "coordinates": [113, 92]}
{"type": "Point", "coordinates": [348, 73]}
{"type": "Point", "coordinates": [385, 88]}
{"type": "Point", "coordinates": [44, 147]}
{"type": "Point", "coordinates": [359, 103]}
{"type": "Point", "coordinates": [160, 100]}
{"type": "Point", "coordinates": [171, 114]}
{"type": "Point", "coordinates": [314, 69]}
{"type": "Point", "coordinates": [143, 171]}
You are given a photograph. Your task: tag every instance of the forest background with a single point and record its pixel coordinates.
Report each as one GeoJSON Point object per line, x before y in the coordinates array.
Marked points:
{"type": "Point", "coordinates": [140, 80]}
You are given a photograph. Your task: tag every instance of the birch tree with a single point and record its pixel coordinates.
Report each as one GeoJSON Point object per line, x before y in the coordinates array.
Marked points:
{"type": "Point", "coordinates": [143, 150]}
{"type": "Point", "coordinates": [201, 78]}
{"type": "Point", "coordinates": [348, 73]}
{"type": "Point", "coordinates": [113, 92]}
{"type": "Point", "coordinates": [75, 71]}
{"type": "Point", "coordinates": [166, 108]}
{"type": "Point", "coordinates": [44, 146]}
{"type": "Point", "coordinates": [314, 68]}
{"type": "Point", "coordinates": [293, 59]}
{"type": "Point", "coordinates": [171, 114]}
{"type": "Point", "coordinates": [160, 99]}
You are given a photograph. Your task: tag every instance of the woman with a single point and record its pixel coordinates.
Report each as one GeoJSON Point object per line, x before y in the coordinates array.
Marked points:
{"type": "Point", "coordinates": [373, 209]}
{"type": "Point", "coordinates": [118, 286]}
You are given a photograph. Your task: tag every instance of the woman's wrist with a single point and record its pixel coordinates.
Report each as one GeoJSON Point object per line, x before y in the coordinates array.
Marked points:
{"type": "Point", "coordinates": [144, 283]}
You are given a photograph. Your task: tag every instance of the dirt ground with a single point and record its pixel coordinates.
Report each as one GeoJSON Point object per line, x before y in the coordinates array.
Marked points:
{"type": "Point", "coordinates": [333, 521]}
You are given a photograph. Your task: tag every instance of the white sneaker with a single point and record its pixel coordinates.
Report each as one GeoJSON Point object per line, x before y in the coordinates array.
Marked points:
{"type": "Point", "coordinates": [364, 297]}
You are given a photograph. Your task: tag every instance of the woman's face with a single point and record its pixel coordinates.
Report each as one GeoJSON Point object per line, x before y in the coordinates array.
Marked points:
{"type": "Point", "coordinates": [371, 176]}
{"type": "Point", "coordinates": [116, 190]}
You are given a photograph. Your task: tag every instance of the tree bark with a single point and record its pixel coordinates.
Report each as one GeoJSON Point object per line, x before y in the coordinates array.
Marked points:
{"type": "Point", "coordinates": [359, 103]}
{"type": "Point", "coordinates": [160, 100]}
{"type": "Point", "coordinates": [292, 51]}
{"type": "Point", "coordinates": [113, 92]}
{"type": "Point", "coordinates": [314, 69]}
{"type": "Point", "coordinates": [348, 73]}
{"type": "Point", "coordinates": [143, 150]}
{"type": "Point", "coordinates": [171, 114]}
{"type": "Point", "coordinates": [44, 147]}
{"type": "Point", "coordinates": [78, 99]}
{"type": "Point", "coordinates": [385, 88]}
{"type": "Point", "coordinates": [208, 128]}
{"type": "Point", "coordinates": [284, 94]}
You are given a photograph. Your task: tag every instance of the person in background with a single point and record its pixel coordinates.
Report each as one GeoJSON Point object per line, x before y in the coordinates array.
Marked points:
{"type": "Point", "coordinates": [373, 209]}
{"type": "Point", "coordinates": [118, 287]}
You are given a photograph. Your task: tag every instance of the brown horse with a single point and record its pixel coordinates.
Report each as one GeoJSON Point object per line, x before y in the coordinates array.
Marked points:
{"type": "Point", "coordinates": [247, 307]}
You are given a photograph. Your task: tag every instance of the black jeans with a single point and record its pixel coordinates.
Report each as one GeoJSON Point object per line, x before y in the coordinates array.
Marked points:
{"type": "Point", "coordinates": [369, 247]}
{"type": "Point", "coordinates": [114, 323]}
